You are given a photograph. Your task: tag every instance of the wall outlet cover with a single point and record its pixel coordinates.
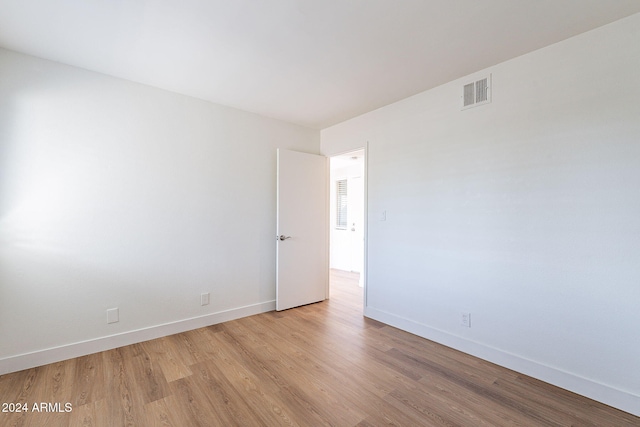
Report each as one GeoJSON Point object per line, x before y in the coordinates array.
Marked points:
{"type": "Point", "coordinates": [465, 319]}
{"type": "Point", "coordinates": [113, 315]}
{"type": "Point", "coordinates": [204, 298]}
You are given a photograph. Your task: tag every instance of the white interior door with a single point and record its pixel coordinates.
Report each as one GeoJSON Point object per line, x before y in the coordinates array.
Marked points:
{"type": "Point", "coordinates": [355, 213]}
{"type": "Point", "coordinates": [302, 268]}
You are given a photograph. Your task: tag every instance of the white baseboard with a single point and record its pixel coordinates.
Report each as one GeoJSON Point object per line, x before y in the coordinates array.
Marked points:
{"type": "Point", "coordinates": [608, 395]}
{"type": "Point", "coordinates": [56, 354]}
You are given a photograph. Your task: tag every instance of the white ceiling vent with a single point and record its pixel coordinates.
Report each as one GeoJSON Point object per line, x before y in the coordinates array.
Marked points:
{"type": "Point", "coordinates": [476, 93]}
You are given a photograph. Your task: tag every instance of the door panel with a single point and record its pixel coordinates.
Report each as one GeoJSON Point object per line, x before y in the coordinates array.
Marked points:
{"type": "Point", "coordinates": [356, 222]}
{"type": "Point", "coordinates": [302, 269]}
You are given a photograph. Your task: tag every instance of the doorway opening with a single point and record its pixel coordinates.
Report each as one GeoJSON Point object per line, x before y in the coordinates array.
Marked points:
{"type": "Point", "coordinates": [347, 223]}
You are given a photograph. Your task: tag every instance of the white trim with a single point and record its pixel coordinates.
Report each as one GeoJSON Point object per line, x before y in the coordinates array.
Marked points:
{"type": "Point", "coordinates": [365, 263]}
{"type": "Point", "coordinates": [620, 399]}
{"type": "Point", "coordinates": [327, 192]}
{"type": "Point", "coordinates": [56, 354]}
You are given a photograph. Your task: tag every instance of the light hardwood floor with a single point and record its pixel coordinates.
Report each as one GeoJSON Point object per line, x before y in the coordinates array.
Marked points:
{"type": "Point", "coordinates": [321, 364]}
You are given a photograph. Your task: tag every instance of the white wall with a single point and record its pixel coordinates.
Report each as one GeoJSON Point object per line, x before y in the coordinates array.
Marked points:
{"type": "Point", "coordinates": [115, 194]}
{"type": "Point", "coordinates": [524, 212]}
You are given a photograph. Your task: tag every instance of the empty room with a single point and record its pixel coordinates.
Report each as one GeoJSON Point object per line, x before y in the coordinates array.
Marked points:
{"type": "Point", "coordinates": [176, 176]}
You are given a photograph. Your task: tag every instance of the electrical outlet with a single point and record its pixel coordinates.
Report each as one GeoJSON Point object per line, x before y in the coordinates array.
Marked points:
{"type": "Point", "coordinates": [204, 298]}
{"type": "Point", "coordinates": [465, 319]}
{"type": "Point", "coordinates": [113, 315]}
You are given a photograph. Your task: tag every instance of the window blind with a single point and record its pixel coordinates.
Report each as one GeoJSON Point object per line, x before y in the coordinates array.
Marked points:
{"type": "Point", "coordinates": [341, 204]}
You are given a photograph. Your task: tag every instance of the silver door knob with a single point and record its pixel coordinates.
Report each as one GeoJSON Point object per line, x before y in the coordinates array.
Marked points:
{"type": "Point", "coordinates": [283, 237]}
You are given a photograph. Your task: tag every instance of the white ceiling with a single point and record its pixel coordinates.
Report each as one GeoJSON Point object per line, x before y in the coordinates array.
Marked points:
{"type": "Point", "coordinates": [347, 159]}
{"type": "Point", "coordinates": [310, 62]}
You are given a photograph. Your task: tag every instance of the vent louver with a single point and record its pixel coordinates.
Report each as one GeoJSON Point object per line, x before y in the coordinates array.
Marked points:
{"type": "Point", "coordinates": [469, 99]}
{"type": "Point", "coordinates": [476, 93]}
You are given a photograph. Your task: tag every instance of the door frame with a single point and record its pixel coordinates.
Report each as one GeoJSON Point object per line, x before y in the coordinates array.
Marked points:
{"type": "Point", "coordinates": [365, 263]}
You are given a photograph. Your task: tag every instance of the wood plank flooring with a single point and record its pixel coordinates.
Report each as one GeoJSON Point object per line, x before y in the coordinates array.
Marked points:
{"type": "Point", "coordinates": [321, 364]}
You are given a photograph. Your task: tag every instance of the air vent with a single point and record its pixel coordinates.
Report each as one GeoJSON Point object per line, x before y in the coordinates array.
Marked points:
{"type": "Point", "coordinates": [476, 93]}
{"type": "Point", "coordinates": [469, 95]}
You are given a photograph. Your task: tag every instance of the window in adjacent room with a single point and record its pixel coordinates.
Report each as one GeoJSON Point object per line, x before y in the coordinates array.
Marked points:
{"type": "Point", "coordinates": [341, 204]}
